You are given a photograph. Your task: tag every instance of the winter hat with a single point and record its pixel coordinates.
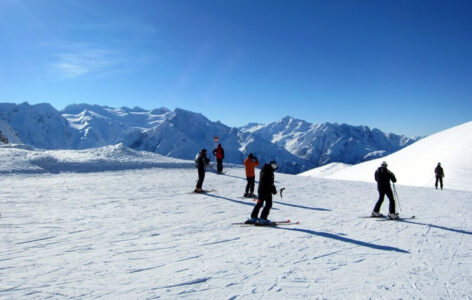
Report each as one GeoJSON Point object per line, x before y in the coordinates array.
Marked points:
{"type": "Point", "coordinates": [274, 165]}
{"type": "Point", "coordinates": [384, 164]}
{"type": "Point", "coordinates": [251, 156]}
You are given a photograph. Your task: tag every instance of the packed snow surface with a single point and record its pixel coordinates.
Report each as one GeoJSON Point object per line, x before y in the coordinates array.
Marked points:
{"type": "Point", "coordinates": [414, 165]}
{"type": "Point", "coordinates": [134, 230]}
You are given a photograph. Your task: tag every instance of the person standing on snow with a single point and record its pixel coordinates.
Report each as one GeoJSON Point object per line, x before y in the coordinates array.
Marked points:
{"type": "Point", "coordinates": [383, 177]}
{"type": "Point", "coordinates": [250, 163]}
{"type": "Point", "coordinates": [219, 153]}
{"type": "Point", "coordinates": [201, 162]}
{"type": "Point", "coordinates": [265, 190]}
{"type": "Point", "coordinates": [439, 175]}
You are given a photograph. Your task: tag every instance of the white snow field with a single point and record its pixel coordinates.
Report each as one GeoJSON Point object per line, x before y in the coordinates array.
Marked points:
{"type": "Point", "coordinates": [414, 165]}
{"type": "Point", "coordinates": [134, 231]}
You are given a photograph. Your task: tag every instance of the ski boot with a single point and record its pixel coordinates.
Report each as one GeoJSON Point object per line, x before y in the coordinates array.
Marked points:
{"type": "Point", "coordinates": [263, 222]}
{"type": "Point", "coordinates": [376, 214]}
{"type": "Point", "coordinates": [251, 221]}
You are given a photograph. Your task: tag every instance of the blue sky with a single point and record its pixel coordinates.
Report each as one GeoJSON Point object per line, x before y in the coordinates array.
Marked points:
{"type": "Point", "coordinates": [400, 66]}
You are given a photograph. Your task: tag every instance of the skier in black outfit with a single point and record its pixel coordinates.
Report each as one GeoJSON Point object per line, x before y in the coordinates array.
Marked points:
{"type": "Point", "coordinates": [265, 190]}
{"type": "Point", "coordinates": [439, 175]}
{"type": "Point", "coordinates": [383, 177]}
{"type": "Point", "coordinates": [201, 162]}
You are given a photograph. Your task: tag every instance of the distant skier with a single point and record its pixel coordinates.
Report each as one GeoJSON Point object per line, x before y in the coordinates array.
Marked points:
{"type": "Point", "coordinates": [439, 175]}
{"type": "Point", "coordinates": [219, 153]}
{"type": "Point", "coordinates": [201, 162]}
{"type": "Point", "coordinates": [250, 163]}
{"type": "Point", "coordinates": [383, 177]}
{"type": "Point", "coordinates": [265, 190]}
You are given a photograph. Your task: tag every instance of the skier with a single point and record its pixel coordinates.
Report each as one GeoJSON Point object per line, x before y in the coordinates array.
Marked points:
{"type": "Point", "coordinates": [439, 175]}
{"type": "Point", "coordinates": [383, 177]}
{"type": "Point", "coordinates": [219, 153]}
{"type": "Point", "coordinates": [265, 190]}
{"type": "Point", "coordinates": [250, 163]}
{"type": "Point", "coordinates": [201, 162]}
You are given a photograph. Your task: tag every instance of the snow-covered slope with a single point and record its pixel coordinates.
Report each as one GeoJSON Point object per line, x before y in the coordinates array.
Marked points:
{"type": "Point", "coordinates": [321, 144]}
{"type": "Point", "coordinates": [24, 159]}
{"type": "Point", "coordinates": [37, 125]}
{"type": "Point", "coordinates": [140, 234]}
{"type": "Point", "coordinates": [100, 125]}
{"type": "Point", "coordinates": [414, 165]}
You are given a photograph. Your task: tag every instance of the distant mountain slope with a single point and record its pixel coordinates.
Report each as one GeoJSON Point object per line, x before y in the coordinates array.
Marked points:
{"type": "Point", "coordinates": [38, 125]}
{"type": "Point", "coordinates": [414, 165]}
{"type": "Point", "coordinates": [321, 144]}
{"type": "Point", "coordinates": [183, 134]}
{"type": "Point", "coordinates": [297, 145]}
{"type": "Point", "coordinates": [99, 126]}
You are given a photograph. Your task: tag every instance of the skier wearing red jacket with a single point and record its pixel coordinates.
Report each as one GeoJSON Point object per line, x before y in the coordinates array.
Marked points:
{"type": "Point", "coordinates": [219, 153]}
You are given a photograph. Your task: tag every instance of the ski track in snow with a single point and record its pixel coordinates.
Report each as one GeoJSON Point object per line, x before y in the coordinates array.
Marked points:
{"type": "Point", "coordinates": [140, 234]}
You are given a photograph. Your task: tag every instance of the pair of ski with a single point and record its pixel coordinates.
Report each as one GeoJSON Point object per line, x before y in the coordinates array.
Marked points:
{"type": "Point", "coordinates": [386, 218]}
{"type": "Point", "coordinates": [273, 224]}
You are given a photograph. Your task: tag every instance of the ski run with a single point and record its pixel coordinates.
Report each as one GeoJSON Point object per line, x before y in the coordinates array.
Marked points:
{"type": "Point", "coordinates": [139, 233]}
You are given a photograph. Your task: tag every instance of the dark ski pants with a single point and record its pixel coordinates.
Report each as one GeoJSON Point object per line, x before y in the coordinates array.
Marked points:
{"type": "Point", "coordinates": [382, 194]}
{"type": "Point", "coordinates": [219, 165]}
{"type": "Point", "coordinates": [250, 185]}
{"type": "Point", "coordinates": [440, 181]}
{"type": "Point", "coordinates": [201, 177]}
{"type": "Point", "coordinates": [265, 211]}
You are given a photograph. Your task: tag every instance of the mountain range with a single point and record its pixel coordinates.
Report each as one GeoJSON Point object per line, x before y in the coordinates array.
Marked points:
{"type": "Point", "coordinates": [295, 144]}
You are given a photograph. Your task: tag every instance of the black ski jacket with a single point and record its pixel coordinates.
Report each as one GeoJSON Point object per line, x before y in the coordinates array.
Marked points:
{"type": "Point", "coordinates": [383, 177]}
{"type": "Point", "coordinates": [439, 171]}
{"type": "Point", "coordinates": [266, 183]}
{"type": "Point", "coordinates": [202, 162]}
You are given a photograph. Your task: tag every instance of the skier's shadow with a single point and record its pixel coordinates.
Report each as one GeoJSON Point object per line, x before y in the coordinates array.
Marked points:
{"type": "Point", "coordinates": [233, 200]}
{"type": "Point", "coordinates": [302, 206]}
{"type": "Point", "coordinates": [345, 239]}
{"type": "Point", "coordinates": [438, 227]}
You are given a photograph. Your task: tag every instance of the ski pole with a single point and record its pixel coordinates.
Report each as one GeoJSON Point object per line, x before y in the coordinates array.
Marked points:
{"type": "Point", "coordinates": [396, 196]}
{"type": "Point", "coordinates": [281, 191]}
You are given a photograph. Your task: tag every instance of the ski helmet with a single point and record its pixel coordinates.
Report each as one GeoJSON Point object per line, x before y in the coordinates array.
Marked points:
{"type": "Point", "coordinates": [274, 165]}
{"type": "Point", "coordinates": [384, 164]}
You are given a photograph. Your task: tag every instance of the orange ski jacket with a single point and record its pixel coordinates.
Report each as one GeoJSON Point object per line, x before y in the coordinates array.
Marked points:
{"type": "Point", "coordinates": [250, 165]}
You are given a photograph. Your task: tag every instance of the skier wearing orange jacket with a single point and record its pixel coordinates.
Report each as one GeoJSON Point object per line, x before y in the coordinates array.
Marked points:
{"type": "Point", "coordinates": [250, 163]}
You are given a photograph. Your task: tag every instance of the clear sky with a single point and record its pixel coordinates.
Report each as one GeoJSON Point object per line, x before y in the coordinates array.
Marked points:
{"type": "Point", "coordinates": [400, 66]}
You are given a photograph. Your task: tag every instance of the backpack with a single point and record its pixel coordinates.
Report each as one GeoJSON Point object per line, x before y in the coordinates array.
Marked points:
{"type": "Point", "coordinates": [196, 159]}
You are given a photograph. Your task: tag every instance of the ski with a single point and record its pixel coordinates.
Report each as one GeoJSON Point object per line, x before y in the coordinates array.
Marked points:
{"type": "Point", "coordinates": [372, 217]}
{"type": "Point", "coordinates": [276, 223]}
{"type": "Point", "coordinates": [386, 218]}
{"type": "Point", "coordinates": [397, 219]}
{"type": "Point", "coordinates": [203, 191]}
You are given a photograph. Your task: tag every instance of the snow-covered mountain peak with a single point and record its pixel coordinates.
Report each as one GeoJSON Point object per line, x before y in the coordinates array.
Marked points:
{"type": "Point", "coordinates": [297, 144]}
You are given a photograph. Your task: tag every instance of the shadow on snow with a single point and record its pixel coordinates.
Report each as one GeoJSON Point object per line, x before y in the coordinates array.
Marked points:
{"type": "Point", "coordinates": [438, 227]}
{"type": "Point", "coordinates": [233, 200]}
{"type": "Point", "coordinates": [302, 206]}
{"type": "Point", "coordinates": [345, 239]}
